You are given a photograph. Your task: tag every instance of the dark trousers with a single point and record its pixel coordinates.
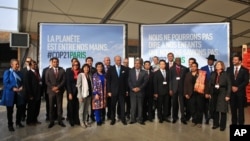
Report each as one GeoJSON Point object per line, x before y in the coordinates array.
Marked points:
{"type": "Point", "coordinates": [220, 119]}
{"type": "Point", "coordinates": [73, 108]}
{"type": "Point", "coordinates": [136, 107]}
{"type": "Point", "coordinates": [162, 106]}
{"type": "Point", "coordinates": [127, 105]}
{"type": "Point", "coordinates": [196, 104]}
{"type": "Point", "coordinates": [148, 107]}
{"type": "Point", "coordinates": [47, 105]}
{"type": "Point", "coordinates": [121, 101]}
{"type": "Point", "coordinates": [10, 110]}
{"type": "Point", "coordinates": [37, 109]}
{"type": "Point", "coordinates": [206, 109]}
{"type": "Point", "coordinates": [55, 99]}
{"type": "Point", "coordinates": [31, 112]}
{"type": "Point", "coordinates": [178, 103]}
{"type": "Point", "coordinates": [237, 102]}
{"type": "Point", "coordinates": [109, 107]}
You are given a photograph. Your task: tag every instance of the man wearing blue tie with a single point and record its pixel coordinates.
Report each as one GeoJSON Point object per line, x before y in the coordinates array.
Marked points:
{"type": "Point", "coordinates": [209, 68]}
{"type": "Point", "coordinates": [117, 86]}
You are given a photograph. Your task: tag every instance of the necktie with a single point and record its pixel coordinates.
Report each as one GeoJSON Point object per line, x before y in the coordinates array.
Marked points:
{"type": "Point", "coordinates": [178, 70]}
{"type": "Point", "coordinates": [211, 69]}
{"type": "Point", "coordinates": [118, 70]}
{"type": "Point", "coordinates": [56, 72]}
{"type": "Point", "coordinates": [164, 74]}
{"type": "Point", "coordinates": [137, 74]}
{"type": "Point", "coordinates": [236, 73]}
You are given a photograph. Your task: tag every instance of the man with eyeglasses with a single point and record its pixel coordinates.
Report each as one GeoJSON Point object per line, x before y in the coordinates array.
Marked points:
{"type": "Point", "coordinates": [24, 72]}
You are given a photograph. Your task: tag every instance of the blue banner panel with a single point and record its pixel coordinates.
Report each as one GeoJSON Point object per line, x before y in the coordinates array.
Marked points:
{"type": "Point", "coordinates": [67, 41]}
{"type": "Point", "coordinates": [186, 40]}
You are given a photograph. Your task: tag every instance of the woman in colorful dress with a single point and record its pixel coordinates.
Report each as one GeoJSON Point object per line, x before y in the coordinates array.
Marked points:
{"type": "Point", "coordinates": [99, 92]}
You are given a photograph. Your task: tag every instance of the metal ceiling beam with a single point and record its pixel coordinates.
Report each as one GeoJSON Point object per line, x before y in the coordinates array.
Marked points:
{"type": "Point", "coordinates": [241, 34]}
{"type": "Point", "coordinates": [236, 15]}
{"type": "Point", "coordinates": [185, 11]}
{"type": "Point", "coordinates": [117, 4]}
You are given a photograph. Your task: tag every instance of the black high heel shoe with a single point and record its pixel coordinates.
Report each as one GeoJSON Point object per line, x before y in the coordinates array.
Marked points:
{"type": "Point", "coordinates": [19, 125]}
{"type": "Point", "coordinates": [11, 129]}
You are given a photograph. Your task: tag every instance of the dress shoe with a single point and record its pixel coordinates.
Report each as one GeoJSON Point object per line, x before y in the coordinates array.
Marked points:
{"type": "Point", "coordinates": [167, 120]}
{"type": "Point", "coordinates": [215, 127]}
{"type": "Point", "coordinates": [19, 125]}
{"type": "Point", "coordinates": [51, 125]}
{"type": "Point", "coordinates": [11, 129]}
{"type": "Point", "coordinates": [174, 121]}
{"type": "Point", "coordinates": [160, 121]}
{"type": "Point", "coordinates": [222, 129]}
{"type": "Point", "coordinates": [184, 122]}
{"type": "Point", "coordinates": [150, 120]}
{"type": "Point", "coordinates": [112, 122]}
{"type": "Point", "coordinates": [62, 124]}
{"type": "Point", "coordinates": [207, 121]}
{"type": "Point", "coordinates": [38, 122]}
{"type": "Point", "coordinates": [142, 123]}
{"type": "Point", "coordinates": [131, 122]}
{"type": "Point", "coordinates": [124, 122]}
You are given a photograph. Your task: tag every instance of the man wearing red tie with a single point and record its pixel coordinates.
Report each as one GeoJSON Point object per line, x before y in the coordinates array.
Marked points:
{"type": "Point", "coordinates": [239, 77]}
{"type": "Point", "coordinates": [55, 81]}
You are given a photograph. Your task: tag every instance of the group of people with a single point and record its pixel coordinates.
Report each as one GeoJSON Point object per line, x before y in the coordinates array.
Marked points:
{"type": "Point", "coordinates": [110, 92]}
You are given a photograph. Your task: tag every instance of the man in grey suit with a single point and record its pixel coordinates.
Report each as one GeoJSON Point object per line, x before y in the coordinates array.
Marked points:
{"type": "Point", "coordinates": [55, 81]}
{"type": "Point", "coordinates": [137, 81]}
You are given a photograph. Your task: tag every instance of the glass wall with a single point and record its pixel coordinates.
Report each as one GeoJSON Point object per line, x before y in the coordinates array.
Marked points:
{"type": "Point", "coordinates": [9, 16]}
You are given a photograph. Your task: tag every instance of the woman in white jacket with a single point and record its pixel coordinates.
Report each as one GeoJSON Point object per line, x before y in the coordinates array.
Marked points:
{"type": "Point", "coordinates": [85, 87]}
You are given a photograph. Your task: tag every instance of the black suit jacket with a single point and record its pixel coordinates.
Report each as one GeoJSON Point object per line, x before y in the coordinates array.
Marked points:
{"type": "Point", "coordinates": [141, 82]}
{"type": "Point", "coordinates": [44, 86]}
{"type": "Point", "coordinates": [159, 88]}
{"type": "Point", "coordinates": [71, 82]}
{"type": "Point", "coordinates": [32, 85]}
{"type": "Point", "coordinates": [117, 85]}
{"type": "Point", "coordinates": [52, 81]}
{"type": "Point", "coordinates": [242, 79]}
{"type": "Point", "coordinates": [174, 83]}
{"type": "Point", "coordinates": [149, 89]}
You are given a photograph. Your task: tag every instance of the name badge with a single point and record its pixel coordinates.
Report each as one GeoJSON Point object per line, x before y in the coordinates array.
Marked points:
{"type": "Point", "coordinates": [217, 86]}
{"type": "Point", "coordinates": [164, 83]}
{"type": "Point", "coordinates": [178, 78]}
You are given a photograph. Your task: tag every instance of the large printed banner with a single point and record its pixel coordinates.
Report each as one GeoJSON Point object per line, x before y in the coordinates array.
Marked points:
{"type": "Point", "coordinates": [185, 41]}
{"type": "Point", "coordinates": [67, 41]}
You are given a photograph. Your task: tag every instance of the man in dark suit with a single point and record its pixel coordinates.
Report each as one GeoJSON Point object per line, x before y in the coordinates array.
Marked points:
{"type": "Point", "coordinates": [55, 80]}
{"type": "Point", "coordinates": [137, 81]}
{"type": "Point", "coordinates": [209, 68]}
{"type": "Point", "coordinates": [24, 72]}
{"type": "Point", "coordinates": [169, 65]}
{"type": "Point", "coordinates": [240, 78]}
{"type": "Point", "coordinates": [44, 89]}
{"type": "Point", "coordinates": [148, 112]}
{"type": "Point", "coordinates": [161, 91]}
{"type": "Point", "coordinates": [33, 93]}
{"type": "Point", "coordinates": [117, 85]}
{"type": "Point", "coordinates": [177, 76]}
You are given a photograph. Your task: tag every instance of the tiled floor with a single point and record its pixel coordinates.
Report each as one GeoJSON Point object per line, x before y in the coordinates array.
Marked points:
{"type": "Point", "coordinates": [118, 132]}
